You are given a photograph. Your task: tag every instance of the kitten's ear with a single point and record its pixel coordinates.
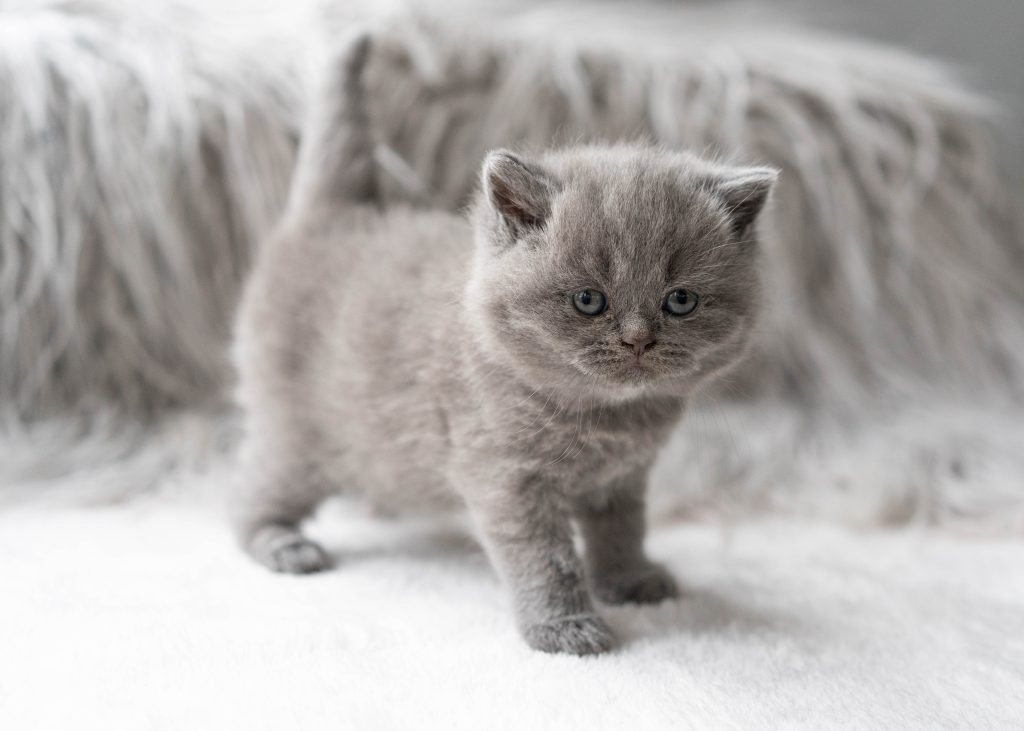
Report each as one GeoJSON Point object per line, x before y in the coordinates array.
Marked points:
{"type": "Point", "coordinates": [745, 191]}
{"type": "Point", "coordinates": [520, 191]}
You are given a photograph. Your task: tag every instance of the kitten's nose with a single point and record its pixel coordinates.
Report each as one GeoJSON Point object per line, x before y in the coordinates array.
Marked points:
{"type": "Point", "coordinates": [639, 342]}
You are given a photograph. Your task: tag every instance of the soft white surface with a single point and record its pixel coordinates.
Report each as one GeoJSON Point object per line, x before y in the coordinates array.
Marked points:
{"type": "Point", "coordinates": [146, 617]}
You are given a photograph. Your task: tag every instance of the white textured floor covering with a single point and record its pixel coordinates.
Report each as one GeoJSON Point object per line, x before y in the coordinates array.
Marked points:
{"type": "Point", "coordinates": [146, 617]}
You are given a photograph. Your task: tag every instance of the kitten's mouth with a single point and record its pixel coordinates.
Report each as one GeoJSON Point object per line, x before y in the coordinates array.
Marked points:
{"type": "Point", "coordinates": [636, 371]}
{"type": "Point", "coordinates": [645, 371]}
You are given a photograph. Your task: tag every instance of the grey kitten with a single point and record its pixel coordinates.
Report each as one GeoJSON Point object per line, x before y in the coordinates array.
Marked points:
{"type": "Point", "coordinates": [527, 364]}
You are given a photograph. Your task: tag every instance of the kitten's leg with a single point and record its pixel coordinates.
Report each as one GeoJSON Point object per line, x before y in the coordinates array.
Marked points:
{"type": "Point", "coordinates": [613, 528]}
{"type": "Point", "coordinates": [528, 536]}
{"type": "Point", "coordinates": [268, 513]}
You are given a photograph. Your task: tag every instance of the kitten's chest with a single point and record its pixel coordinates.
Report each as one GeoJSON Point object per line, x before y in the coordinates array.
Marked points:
{"type": "Point", "coordinates": [595, 446]}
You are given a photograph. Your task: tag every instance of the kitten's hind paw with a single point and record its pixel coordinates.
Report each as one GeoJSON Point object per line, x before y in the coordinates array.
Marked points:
{"type": "Point", "coordinates": [288, 551]}
{"type": "Point", "coordinates": [580, 635]}
{"type": "Point", "coordinates": [301, 557]}
{"type": "Point", "coordinates": [650, 585]}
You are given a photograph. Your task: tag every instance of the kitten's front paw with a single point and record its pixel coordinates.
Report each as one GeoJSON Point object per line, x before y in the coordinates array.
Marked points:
{"type": "Point", "coordinates": [580, 635]}
{"type": "Point", "coordinates": [650, 585]}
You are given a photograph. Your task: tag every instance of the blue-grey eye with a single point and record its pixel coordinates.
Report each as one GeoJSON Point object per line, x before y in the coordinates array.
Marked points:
{"type": "Point", "coordinates": [681, 302]}
{"type": "Point", "coordinates": [590, 302]}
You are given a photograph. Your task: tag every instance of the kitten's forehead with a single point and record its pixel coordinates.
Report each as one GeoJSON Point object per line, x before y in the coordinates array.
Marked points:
{"type": "Point", "coordinates": [633, 215]}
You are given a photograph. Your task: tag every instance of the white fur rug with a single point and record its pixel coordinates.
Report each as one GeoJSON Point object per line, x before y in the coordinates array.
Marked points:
{"type": "Point", "coordinates": [146, 617]}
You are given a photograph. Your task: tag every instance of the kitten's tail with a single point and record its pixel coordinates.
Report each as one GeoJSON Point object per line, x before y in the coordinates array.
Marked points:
{"type": "Point", "coordinates": [336, 156]}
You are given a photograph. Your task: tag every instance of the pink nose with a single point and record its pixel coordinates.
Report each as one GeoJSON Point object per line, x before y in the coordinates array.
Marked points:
{"type": "Point", "coordinates": [639, 343]}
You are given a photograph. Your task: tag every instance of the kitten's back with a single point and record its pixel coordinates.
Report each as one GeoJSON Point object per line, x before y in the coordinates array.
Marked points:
{"type": "Point", "coordinates": [341, 323]}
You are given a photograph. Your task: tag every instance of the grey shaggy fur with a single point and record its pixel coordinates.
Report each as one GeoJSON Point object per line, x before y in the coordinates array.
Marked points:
{"type": "Point", "coordinates": [147, 147]}
{"type": "Point", "coordinates": [410, 357]}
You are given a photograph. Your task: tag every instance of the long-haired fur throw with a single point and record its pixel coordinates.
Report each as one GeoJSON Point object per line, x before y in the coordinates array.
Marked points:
{"type": "Point", "coordinates": [145, 149]}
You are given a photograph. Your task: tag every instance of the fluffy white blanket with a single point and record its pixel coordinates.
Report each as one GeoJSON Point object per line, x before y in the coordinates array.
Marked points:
{"type": "Point", "coordinates": [146, 617]}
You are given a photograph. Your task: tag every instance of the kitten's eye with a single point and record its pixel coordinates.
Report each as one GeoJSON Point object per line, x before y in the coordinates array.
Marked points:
{"type": "Point", "coordinates": [590, 302]}
{"type": "Point", "coordinates": [681, 302]}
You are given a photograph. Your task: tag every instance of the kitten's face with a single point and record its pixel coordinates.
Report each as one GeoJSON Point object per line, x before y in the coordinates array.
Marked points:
{"type": "Point", "coordinates": [621, 270]}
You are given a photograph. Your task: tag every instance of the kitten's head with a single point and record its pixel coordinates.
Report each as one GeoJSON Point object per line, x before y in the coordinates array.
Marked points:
{"type": "Point", "coordinates": [618, 269]}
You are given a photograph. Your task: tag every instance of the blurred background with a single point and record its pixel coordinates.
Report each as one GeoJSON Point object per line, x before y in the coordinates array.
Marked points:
{"type": "Point", "coordinates": [148, 147]}
{"type": "Point", "coordinates": [983, 38]}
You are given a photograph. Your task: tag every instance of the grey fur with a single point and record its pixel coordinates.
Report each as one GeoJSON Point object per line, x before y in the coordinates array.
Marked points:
{"type": "Point", "coordinates": [338, 137]}
{"type": "Point", "coordinates": [420, 360]}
